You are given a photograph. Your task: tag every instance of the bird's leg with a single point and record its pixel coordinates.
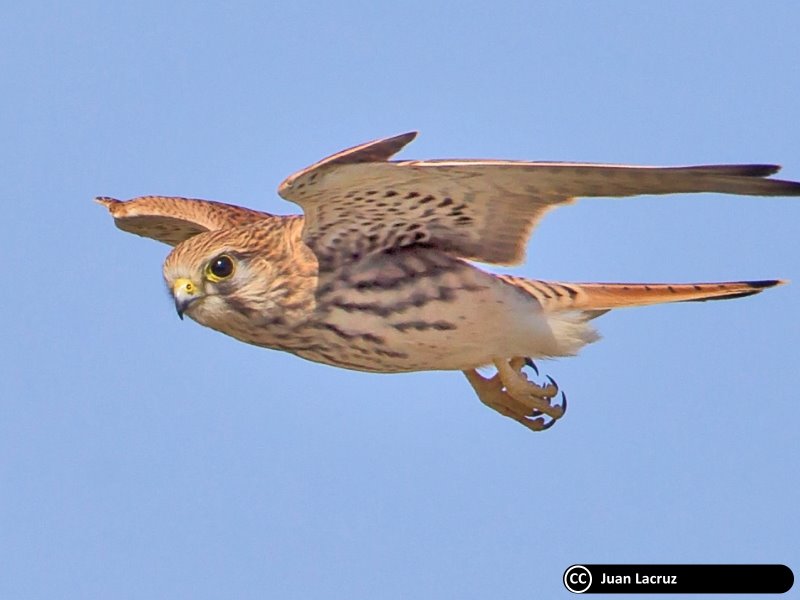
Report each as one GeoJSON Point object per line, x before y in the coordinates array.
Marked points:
{"type": "Point", "coordinates": [511, 394]}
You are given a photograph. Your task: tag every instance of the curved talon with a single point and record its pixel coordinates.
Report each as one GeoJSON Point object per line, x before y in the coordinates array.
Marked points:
{"type": "Point", "coordinates": [545, 426]}
{"type": "Point", "coordinates": [553, 383]}
{"type": "Point", "coordinates": [531, 364]}
{"type": "Point", "coordinates": [548, 425]}
{"type": "Point", "coordinates": [532, 424]}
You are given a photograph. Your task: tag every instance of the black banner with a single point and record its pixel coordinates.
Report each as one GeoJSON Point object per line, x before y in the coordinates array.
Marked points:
{"type": "Point", "coordinates": [678, 579]}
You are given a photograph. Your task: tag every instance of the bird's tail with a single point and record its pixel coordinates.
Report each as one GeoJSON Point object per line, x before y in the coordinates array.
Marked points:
{"type": "Point", "coordinates": [594, 299]}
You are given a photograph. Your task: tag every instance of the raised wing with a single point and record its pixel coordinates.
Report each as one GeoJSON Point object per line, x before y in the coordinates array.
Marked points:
{"type": "Point", "coordinates": [356, 202]}
{"type": "Point", "coordinates": [173, 220]}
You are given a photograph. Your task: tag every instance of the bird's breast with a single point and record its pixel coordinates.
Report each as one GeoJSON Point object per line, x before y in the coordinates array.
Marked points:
{"type": "Point", "coordinates": [407, 311]}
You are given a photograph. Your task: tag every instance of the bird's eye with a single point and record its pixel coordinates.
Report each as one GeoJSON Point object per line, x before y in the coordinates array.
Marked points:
{"type": "Point", "coordinates": [220, 268]}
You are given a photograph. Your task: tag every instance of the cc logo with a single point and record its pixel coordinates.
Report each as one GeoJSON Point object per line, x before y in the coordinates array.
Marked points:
{"type": "Point", "coordinates": [577, 579]}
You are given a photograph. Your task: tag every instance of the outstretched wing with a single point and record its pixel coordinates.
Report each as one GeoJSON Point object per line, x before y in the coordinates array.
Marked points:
{"type": "Point", "coordinates": [357, 202]}
{"type": "Point", "coordinates": [173, 220]}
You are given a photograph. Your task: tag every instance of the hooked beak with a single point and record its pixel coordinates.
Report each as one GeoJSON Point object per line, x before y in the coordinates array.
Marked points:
{"type": "Point", "coordinates": [184, 291]}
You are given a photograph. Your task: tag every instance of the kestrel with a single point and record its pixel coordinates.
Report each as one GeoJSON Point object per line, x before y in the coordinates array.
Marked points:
{"type": "Point", "coordinates": [375, 275]}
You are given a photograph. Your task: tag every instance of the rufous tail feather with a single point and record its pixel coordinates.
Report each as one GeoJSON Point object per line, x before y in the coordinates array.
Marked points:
{"type": "Point", "coordinates": [557, 297]}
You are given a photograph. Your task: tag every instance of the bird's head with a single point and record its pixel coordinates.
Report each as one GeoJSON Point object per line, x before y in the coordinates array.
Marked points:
{"type": "Point", "coordinates": [226, 279]}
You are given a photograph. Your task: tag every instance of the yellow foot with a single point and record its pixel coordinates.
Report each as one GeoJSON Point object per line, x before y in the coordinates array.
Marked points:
{"type": "Point", "coordinates": [511, 394]}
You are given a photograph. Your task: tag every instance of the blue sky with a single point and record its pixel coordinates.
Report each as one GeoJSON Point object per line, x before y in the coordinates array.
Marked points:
{"type": "Point", "coordinates": [145, 457]}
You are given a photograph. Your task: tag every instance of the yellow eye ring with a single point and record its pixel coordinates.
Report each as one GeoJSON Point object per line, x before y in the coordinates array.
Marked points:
{"type": "Point", "coordinates": [220, 268]}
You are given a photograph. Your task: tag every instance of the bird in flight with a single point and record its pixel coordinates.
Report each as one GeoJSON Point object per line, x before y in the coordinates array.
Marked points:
{"type": "Point", "coordinates": [376, 274]}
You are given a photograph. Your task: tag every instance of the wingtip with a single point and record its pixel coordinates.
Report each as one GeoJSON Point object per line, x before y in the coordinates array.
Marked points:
{"type": "Point", "coordinates": [771, 169]}
{"type": "Point", "coordinates": [379, 150]}
{"type": "Point", "coordinates": [398, 142]}
{"type": "Point", "coordinates": [408, 136]}
{"type": "Point", "coordinates": [760, 170]}
{"type": "Point", "coordinates": [107, 201]}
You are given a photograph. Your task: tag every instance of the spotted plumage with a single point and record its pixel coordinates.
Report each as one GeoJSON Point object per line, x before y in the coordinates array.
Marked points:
{"type": "Point", "coordinates": [375, 275]}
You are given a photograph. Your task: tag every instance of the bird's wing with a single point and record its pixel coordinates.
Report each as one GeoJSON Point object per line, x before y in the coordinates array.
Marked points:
{"type": "Point", "coordinates": [357, 202]}
{"type": "Point", "coordinates": [173, 220]}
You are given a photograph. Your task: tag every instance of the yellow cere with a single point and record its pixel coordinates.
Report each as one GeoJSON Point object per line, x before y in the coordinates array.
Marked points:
{"type": "Point", "coordinates": [184, 286]}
